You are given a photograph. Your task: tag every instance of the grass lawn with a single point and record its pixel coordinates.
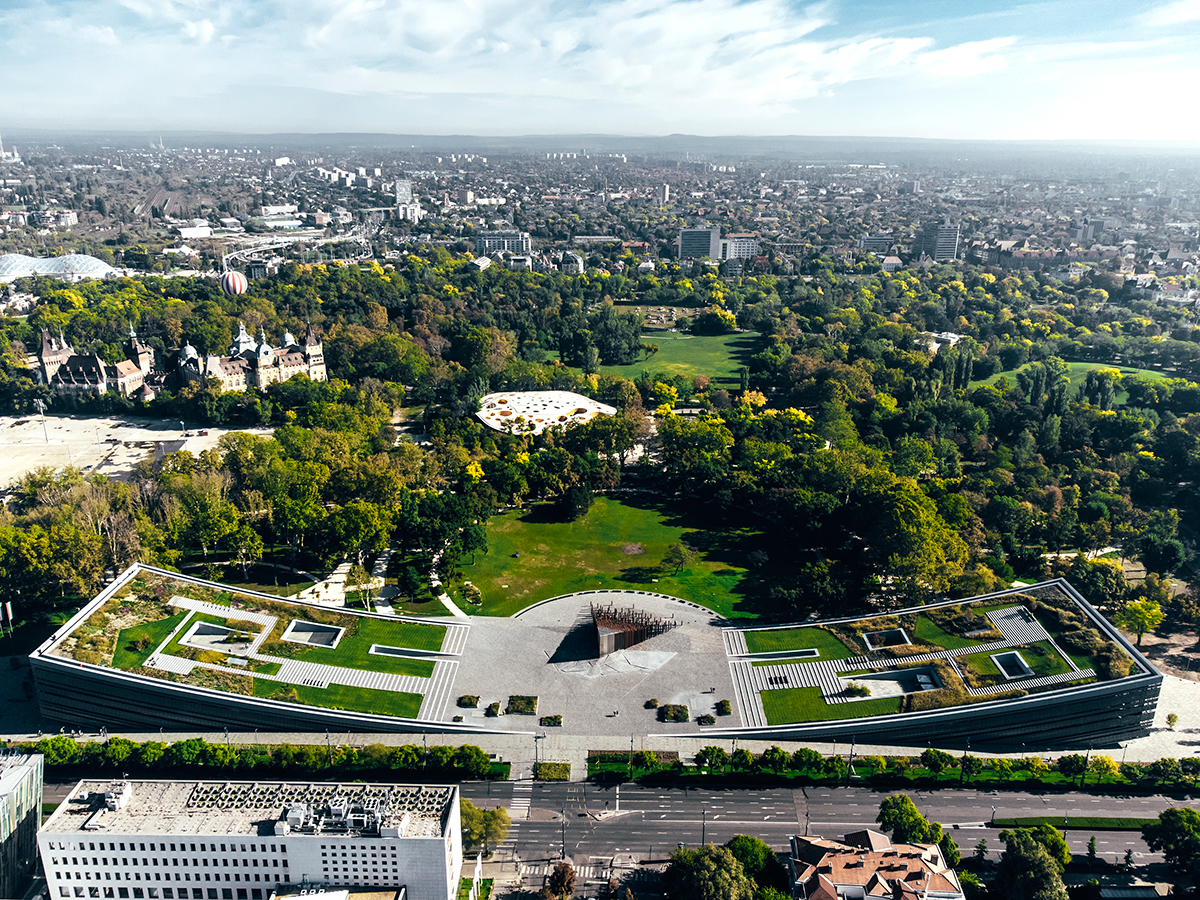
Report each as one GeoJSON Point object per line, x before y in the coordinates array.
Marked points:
{"type": "Point", "coordinates": [1077, 372]}
{"type": "Point", "coordinates": [931, 633]}
{"type": "Point", "coordinates": [717, 356]}
{"type": "Point", "coordinates": [339, 696]}
{"type": "Point", "coordinates": [788, 705]}
{"type": "Point", "coordinates": [1041, 657]}
{"type": "Point", "coordinates": [126, 656]}
{"type": "Point", "coordinates": [798, 639]}
{"type": "Point", "coordinates": [615, 546]}
{"type": "Point", "coordinates": [353, 650]}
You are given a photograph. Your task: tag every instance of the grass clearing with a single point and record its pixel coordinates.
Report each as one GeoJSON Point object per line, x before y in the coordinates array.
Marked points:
{"type": "Point", "coordinates": [127, 656]}
{"type": "Point", "coordinates": [354, 650]}
{"type": "Point", "coordinates": [788, 705]}
{"type": "Point", "coordinates": [930, 632]}
{"type": "Point", "coordinates": [1077, 372]}
{"type": "Point", "coordinates": [717, 356]}
{"type": "Point", "coordinates": [532, 558]}
{"type": "Point", "coordinates": [781, 639]}
{"type": "Point", "coordinates": [1041, 657]}
{"type": "Point", "coordinates": [340, 696]}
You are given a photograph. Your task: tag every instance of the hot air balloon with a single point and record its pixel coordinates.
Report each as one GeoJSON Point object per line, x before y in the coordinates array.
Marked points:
{"type": "Point", "coordinates": [234, 283]}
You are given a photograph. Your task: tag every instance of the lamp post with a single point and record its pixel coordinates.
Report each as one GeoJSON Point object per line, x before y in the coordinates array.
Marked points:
{"type": "Point", "coordinates": [703, 826]}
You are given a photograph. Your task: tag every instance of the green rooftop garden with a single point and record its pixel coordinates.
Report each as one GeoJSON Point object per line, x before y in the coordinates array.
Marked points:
{"type": "Point", "coordinates": [778, 640]}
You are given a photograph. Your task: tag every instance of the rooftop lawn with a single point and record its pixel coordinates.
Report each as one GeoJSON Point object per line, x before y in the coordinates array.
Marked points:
{"type": "Point", "coordinates": [781, 639]}
{"type": "Point", "coordinates": [790, 705]}
{"type": "Point", "coordinates": [717, 356]}
{"type": "Point", "coordinates": [615, 546]}
{"type": "Point", "coordinates": [354, 650]}
{"type": "Point", "coordinates": [930, 632]}
{"type": "Point", "coordinates": [338, 696]}
{"type": "Point", "coordinates": [1041, 657]}
{"type": "Point", "coordinates": [127, 656]}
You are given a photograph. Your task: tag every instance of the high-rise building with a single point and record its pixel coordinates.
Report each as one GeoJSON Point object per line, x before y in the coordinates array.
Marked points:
{"type": "Point", "coordinates": [404, 191]}
{"type": "Point", "coordinates": [20, 813]}
{"type": "Point", "coordinates": [503, 241]}
{"type": "Point", "coordinates": [938, 241]}
{"type": "Point", "coordinates": [739, 246]}
{"type": "Point", "coordinates": [231, 840]}
{"type": "Point", "coordinates": [697, 242]}
{"type": "Point", "coordinates": [662, 194]}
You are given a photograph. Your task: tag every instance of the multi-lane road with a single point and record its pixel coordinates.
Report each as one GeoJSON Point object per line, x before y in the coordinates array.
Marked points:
{"type": "Point", "coordinates": [653, 820]}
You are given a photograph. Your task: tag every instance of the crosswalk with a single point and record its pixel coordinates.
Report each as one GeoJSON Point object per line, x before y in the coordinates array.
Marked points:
{"type": "Point", "coordinates": [581, 872]}
{"type": "Point", "coordinates": [522, 796]}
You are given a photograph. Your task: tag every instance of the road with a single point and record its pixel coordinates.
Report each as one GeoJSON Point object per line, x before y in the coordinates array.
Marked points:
{"type": "Point", "coordinates": [653, 820]}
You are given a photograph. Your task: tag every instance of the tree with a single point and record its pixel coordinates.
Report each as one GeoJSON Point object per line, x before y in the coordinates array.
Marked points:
{"type": "Point", "coordinates": [899, 815]}
{"type": "Point", "coordinates": [971, 766]}
{"type": "Point", "coordinates": [936, 761]}
{"type": "Point", "coordinates": [562, 880]}
{"type": "Point", "coordinates": [247, 548]}
{"type": "Point", "coordinates": [1091, 849]}
{"type": "Point", "coordinates": [981, 851]}
{"type": "Point", "coordinates": [774, 758]}
{"type": "Point", "coordinates": [495, 827]}
{"type": "Point", "coordinates": [742, 759]}
{"type": "Point", "coordinates": [712, 758]}
{"type": "Point", "coordinates": [679, 555]}
{"type": "Point", "coordinates": [1172, 720]}
{"type": "Point", "coordinates": [410, 583]}
{"type": "Point", "coordinates": [1054, 843]}
{"type": "Point", "coordinates": [706, 873]}
{"type": "Point", "coordinates": [1072, 765]}
{"type": "Point", "coordinates": [358, 580]}
{"type": "Point", "coordinates": [758, 861]}
{"type": "Point", "coordinates": [1102, 767]}
{"type": "Point", "coordinates": [950, 851]}
{"type": "Point", "coordinates": [1176, 835]}
{"type": "Point", "coordinates": [1139, 616]}
{"type": "Point", "coordinates": [1026, 870]}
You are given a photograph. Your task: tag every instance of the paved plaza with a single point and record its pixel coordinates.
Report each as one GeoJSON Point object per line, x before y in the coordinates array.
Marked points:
{"type": "Point", "coordinates": [549, 651]}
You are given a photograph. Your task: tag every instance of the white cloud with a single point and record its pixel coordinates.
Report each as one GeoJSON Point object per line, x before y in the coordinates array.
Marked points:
{"type": "Point", "coordinates": [1174, 13]}
{"type": "Point", "coordinates": [201, 32]}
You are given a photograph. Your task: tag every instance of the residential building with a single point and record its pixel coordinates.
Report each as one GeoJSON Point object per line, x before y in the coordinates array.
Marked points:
{"type": "Point", "coordinates": [938, 241]}
{"type": "Point", "coordinates": [890, 264]}
{"type": "Point", "coordinates": [866, 864]}
{"type": "Point", "coordinates": [503, 241]}
{"type": "Point", "coordinates": [876, 241]}
{"type": "Point", "coordinates": [739, 246]}
{"type": "Point", "coordinates": [695, 243]}
{"type": "Point", "coordinates": [21, 777]}
{"type": "Point", "coordinates": [231, 840]}
{"type": "Point", "coordinates": [573, 264]}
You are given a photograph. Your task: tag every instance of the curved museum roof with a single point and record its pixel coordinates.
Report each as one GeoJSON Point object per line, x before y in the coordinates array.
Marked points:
{"type": "Point", "coordinates": [535, 411]}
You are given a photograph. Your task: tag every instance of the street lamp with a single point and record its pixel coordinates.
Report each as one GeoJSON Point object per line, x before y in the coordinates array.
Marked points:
{"type": "Point", "coordinates": [703, 826]}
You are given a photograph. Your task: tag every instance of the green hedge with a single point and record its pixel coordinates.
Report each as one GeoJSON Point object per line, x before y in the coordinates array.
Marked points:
{"type": "Point", "coordinates": [552, 771]}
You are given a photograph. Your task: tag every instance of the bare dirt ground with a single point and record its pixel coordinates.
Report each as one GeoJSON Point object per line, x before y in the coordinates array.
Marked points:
{"type": "Point", "coordinates": [1174, 653]}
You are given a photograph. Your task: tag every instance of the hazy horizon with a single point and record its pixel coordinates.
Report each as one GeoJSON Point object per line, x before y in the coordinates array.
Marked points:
{"type": "Point", "coordinates": [752, 68]}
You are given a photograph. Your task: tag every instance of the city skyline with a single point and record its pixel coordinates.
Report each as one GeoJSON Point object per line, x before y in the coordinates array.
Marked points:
{"type": "Point", "coordinates": [759, 67]}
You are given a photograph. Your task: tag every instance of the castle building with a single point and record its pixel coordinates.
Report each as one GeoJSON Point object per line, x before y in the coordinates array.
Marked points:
{"type": "Point", "coordinates": [250, 363]}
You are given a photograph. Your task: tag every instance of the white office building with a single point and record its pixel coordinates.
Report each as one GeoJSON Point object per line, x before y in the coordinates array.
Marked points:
{"type": "Point", "coordinates": [503, 242]}
{"type": "Point", "coordinates": [739, 246]}
{"type": "Point", "coordinates": [229, 840]}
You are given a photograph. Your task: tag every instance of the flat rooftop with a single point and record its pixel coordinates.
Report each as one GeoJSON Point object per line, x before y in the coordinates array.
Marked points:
{"type": "Point", "coordinates": [247, 808]}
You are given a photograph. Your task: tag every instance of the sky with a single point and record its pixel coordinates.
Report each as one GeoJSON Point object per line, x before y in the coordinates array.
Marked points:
{"type": "Point", "coordinates": [969, 69]}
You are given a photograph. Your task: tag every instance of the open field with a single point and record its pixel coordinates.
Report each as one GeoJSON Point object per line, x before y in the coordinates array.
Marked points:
{"type": "Point", "coordinates": [717, 356]}
{"type": "Point", "coordinates": [616, 545]}
{"type": "Point", "coordinates": [1077, 372]}
{"type": "Point", "coordinates": [789, 705]}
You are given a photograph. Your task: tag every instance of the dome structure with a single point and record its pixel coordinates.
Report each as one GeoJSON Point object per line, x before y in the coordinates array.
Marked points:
{"type": "Point", "coordinates": [73, 267]}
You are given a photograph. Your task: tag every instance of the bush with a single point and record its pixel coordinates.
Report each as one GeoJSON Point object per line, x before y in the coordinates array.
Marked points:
{"type": "Point", "coordinates": [857, 690]}
{"type": "Point", "coordinates": [550, 721]}
{"type": "Point", "coordinates": [493, 709]}
{"type": "Point", "coordinates": [458, 718]}
{"type": "Point", "coordinates": [519, 705]}
{"type": "Point", "coordinates": [673, 713]}
{"type": "Point", "coordinates": [1111, 662]}
{"type": "Point", "coordinates": [552, 771]}
{"type": "Point", "coordinates": [468, 701]}
{"type": "Point", "coordinates": [652, 704]}
{"type": "Point", "coordinates": [707, 719]}
{"type": "Point", "coordinates": [724, 708]}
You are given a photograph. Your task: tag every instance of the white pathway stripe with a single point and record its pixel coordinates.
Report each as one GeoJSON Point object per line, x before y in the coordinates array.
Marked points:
{"type": "Point", "coordinates": [437, 690]}
{"type": "Point", "coordinates": [1018, 625]}
{"type": "Point", "coordinates": [456, 638]}
{"type": "Point", "coordinates": [1024, 683]}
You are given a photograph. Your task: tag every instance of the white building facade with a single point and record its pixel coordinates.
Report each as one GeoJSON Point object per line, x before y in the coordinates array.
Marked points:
{"type": "Point", "coordinates": [167, 840]}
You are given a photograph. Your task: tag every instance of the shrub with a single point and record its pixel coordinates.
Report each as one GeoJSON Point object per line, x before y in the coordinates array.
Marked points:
{"type": "Point", "coordinates": [493, 709]}
{"type": "Point", "coordinates": [550, 721]}
{"type": "Point", "coordinates": [519, 705]}
{"type": "Point", "coordinates": [468, 701]}
{"type": "Point", "coordinates": [673, 713]}
{"type": "Point", "coordinates": [652, 704]}
{"type": "Point", "coordinates": [857, 690]}
{"type": "Point", "coordinates": [552, 771]}
{"type": "Point", "coordinates": [707, 719]}
{"type": "Point", "coordinates": [458, 718]}
{"type": "Point", "coordinates": [1111, 662]}
{"type": "Point", "coordinates": [724, 708]}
